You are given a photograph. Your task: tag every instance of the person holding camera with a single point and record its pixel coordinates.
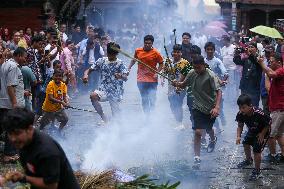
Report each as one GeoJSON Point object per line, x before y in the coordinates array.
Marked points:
{"type": "Point", "coordinates": [252, 72]}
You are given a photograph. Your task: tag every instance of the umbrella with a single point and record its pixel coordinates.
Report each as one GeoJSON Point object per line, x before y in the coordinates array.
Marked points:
{"type": "Point", "coordinates": [267, 31]}
{"type": "Point", "coordinates": [217, 24]}
{"type": "Point", "coordinates": [214, 31]}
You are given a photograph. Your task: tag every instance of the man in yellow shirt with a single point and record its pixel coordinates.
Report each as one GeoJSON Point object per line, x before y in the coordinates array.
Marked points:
{"type": "Point", "coordinates": [55, 101]}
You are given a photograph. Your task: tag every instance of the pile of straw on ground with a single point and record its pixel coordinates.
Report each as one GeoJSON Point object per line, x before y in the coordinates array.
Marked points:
{"type": "Point", "coordinates": [107, 180]}
{"type": "Point", "coordinates": [97, 180]}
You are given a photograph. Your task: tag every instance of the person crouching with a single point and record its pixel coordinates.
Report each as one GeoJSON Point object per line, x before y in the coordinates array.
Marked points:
{"type": "Point", "coordinates": [55, 101]}
{"type": "Point", "coordinates": [258, 124]}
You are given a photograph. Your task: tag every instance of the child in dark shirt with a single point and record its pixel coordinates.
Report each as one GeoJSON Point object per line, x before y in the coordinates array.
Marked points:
{"type": "Point", "coordinates": [258, 124]}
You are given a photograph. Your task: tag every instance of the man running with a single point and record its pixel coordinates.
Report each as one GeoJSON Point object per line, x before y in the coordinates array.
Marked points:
{"type": "Point", "coordinates": [113, 74]}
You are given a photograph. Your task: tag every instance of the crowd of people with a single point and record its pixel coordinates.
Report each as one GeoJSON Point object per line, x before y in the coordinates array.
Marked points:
{"type": "Point", "coordinates": [37, 69]}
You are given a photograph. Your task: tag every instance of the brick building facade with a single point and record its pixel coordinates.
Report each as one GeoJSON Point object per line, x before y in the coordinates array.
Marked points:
{"type": "Point", "coordinates": [251, 13]}
{"type": "Point", "coordinates": [16, 14]}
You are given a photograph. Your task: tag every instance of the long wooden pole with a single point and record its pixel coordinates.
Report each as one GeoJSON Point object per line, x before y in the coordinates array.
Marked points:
{"type": "Point", "coordinates": [139, 61]}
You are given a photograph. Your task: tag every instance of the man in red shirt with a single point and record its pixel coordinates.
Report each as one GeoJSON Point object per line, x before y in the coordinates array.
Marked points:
{"type": "Point", "coordinates": [276, 103]}
{"type": "Point", "coordinates": [147, 80]}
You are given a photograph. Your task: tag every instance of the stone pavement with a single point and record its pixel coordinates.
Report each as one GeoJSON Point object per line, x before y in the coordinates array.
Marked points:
{"type": "Point", "coordinates": [218, 169]}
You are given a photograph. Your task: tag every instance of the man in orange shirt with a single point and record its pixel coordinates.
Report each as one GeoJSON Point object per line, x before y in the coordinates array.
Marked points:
{"type": "Point", "coordinates": [147, 80]}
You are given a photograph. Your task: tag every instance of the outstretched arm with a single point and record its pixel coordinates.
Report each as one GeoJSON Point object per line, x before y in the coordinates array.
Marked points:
{"type": "Point", "coordinates": [268, 71]}
{"type": "Point", "coordinates": [86, 75]}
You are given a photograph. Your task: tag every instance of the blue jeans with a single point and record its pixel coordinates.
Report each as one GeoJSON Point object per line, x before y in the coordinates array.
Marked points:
{"type": "Point", "coordinates": [148, 95]}
{"type": "Point", "coordinates": [28, 103]}
{"type": "Point", "coordinates": [176, 102]}
{"type": "Point", "coordinates": [37, 98]}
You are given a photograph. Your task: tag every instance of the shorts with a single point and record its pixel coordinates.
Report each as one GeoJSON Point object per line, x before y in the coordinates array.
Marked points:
{"type": "Point", "coordinates": [202, 120]}
{"type": "Point", "coordinates": [277, 126]}
{"type": "Point", "coordinates": [114, 104]}
{"type": "Point", "coordinates": [252, 141]}
{"type": "Point", "coordinates": [102, 95]}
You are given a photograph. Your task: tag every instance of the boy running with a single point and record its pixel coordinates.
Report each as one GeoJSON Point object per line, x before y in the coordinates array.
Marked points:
{"type": "Point", "coordinates": [217, 66]}
{"type": "Point", "coordinates": [113, 74]}
{"type": "Point", "coordinates": [55, 100]}
{"type": "Point", "coordinates": [206, 104]}
{"type": "Point", "coordinates": [258, 124]}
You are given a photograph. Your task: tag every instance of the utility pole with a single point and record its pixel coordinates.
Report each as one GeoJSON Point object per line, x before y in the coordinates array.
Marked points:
{"type": "Point", "coordinates": [234, 15]}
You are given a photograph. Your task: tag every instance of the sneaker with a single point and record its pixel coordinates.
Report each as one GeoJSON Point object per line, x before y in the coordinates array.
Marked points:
{"type": "Point", "coordinates": [196, 163]}
{"type": "Point", "coordinates": [211, 145]}
{"type": "Point", "coordinates": [272, 159]}
{"type": "Point", "coordinates": [245, 163]}
{"type": "Point", "coordinates": [255, 175]}
{"type": "Point", "coordinates": [101, 123]}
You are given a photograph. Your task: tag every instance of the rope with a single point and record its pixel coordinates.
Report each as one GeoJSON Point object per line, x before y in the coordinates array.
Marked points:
{"type": "Point", "coordinates": [80, 109]}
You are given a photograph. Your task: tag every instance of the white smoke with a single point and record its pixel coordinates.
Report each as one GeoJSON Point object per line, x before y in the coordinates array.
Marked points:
{"type": "Point", "coordinates": [134, 140]}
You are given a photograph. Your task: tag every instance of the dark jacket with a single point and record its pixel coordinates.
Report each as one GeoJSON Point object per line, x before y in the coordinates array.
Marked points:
{"type": "Point", "coordinates": [186, 48]}
{"type": "Point", "coordinates": [251, 74]}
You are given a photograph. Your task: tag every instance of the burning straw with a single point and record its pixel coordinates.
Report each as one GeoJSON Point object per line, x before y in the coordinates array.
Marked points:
{"type": "Point", "coordinates": [108, 180]}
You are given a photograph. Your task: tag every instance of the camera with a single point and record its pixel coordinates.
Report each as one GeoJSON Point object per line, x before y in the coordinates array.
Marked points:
{"type": "Point", "coordinates": [240, 50]}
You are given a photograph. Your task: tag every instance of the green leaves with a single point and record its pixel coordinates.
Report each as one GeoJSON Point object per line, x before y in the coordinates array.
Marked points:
{"type": "Point", "coordinates": [144, 182]}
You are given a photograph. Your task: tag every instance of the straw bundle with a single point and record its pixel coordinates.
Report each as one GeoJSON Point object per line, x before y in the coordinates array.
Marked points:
{"type": "Point", "coordinates": [97, 180]}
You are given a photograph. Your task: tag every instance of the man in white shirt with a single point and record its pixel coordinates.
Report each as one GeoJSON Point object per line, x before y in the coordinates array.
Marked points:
{"type": "Point", "coordinates": [227, 54]}
{"type": "Point", "coordinates": [11, 92]}
{"type": "Point", "coordinates": [52, 51]}
{"type": "Point", "coordinates": [63, 29]}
